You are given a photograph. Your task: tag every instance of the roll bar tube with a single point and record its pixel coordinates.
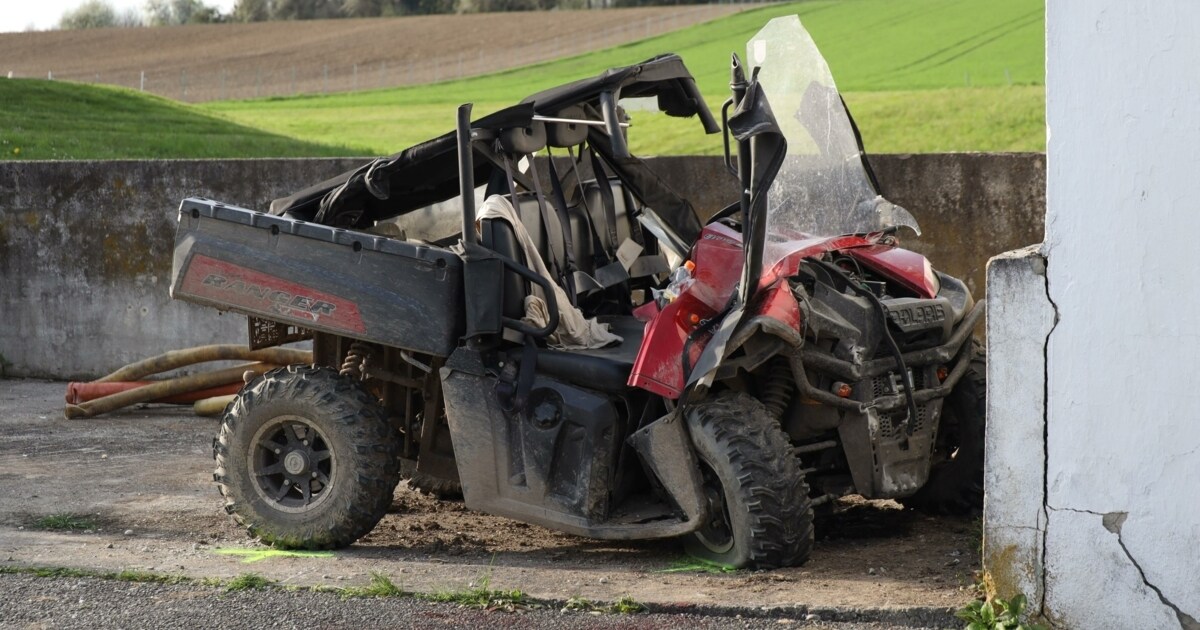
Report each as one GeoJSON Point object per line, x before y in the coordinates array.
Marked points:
{"type": "Point", "coordinates": [466, 173]}
{"type": "Point", "coordinates": [612, 122]}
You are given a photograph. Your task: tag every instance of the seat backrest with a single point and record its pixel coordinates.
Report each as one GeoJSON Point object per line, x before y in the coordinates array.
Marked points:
{"type": "Point", "coordinates": [594, 202]}
{"type": "Point", "coordinates": [498, 236]}
{"type": "Point", "coordinates": [582, 224]}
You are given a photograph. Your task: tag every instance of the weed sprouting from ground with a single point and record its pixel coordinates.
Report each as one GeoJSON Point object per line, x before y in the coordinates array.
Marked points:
{"type": "Point", "coordinates": [47, 572]}
{"type": "Point", "coordinates": [65, 522]}
{"type": "Point", "coordinates": [380, 586]}
{"type": "Point", "coordinates": [483, 597]}
{"type": "Point", "coordinates": [997, 614]}
{"type": "Point", "coordinates": [627, 606]}
{"type": "Point", "coordinates": [624, 606]}
{"type": "Point", "coordinates": [131, 575]}
{"type": "Point", "coordinates": [128, 575]}
{"type": "Point", "coordinates": [992, 612]}
{"type": "Point", "coordinates": [248, 582]}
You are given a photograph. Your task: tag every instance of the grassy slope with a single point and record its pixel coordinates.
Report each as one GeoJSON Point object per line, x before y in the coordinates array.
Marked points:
{"type": "Point", "coordinates": [58, 120]}
{"type": "Point", "coordinates": [896, 60]}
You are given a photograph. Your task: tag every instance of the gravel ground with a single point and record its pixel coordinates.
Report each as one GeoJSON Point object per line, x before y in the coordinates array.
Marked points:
{"type": "Point", "coordinates": [35, 602]}
{"type": "Point", "coordinates": [139, 484]}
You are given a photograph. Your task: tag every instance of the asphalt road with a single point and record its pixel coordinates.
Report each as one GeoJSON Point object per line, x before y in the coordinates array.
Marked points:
{"type": "Point", "coordinates": [37, 602]}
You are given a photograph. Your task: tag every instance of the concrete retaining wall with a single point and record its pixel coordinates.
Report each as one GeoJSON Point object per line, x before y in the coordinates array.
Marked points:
{"type": "Point", "coordinates": [85, 247]}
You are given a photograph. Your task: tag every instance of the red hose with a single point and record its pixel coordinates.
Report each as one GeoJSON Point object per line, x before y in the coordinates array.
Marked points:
{"type": "Point", "coordinates": [83, 392]}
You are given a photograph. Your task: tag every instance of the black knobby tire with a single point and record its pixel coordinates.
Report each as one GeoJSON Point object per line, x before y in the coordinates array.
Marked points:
{"type": "Point", "coordinates": [436, 487]}
{"type": "Point", "coordinates": [760, 512]}
{"type": "Point", "coordinates": [955, 483]}
{"type": "Point", "coordinates": [306, 458]}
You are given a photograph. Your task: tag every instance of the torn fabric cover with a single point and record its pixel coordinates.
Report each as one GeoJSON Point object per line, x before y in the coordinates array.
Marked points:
{"type": "Point", "coordinates": [386, 187]}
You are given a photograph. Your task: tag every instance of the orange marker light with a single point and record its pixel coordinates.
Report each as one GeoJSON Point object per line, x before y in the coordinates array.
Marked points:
{"type": "Point", "coordinates": [842, 390]}
{"type": "Point", "coordinates": [694, 318]}
{"type": "Point", "coordinates": [942, 373]}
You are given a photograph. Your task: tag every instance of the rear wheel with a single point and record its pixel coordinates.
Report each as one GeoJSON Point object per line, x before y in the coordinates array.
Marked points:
{"type": "Point", "coordinates": [955, 483]}
{"type": "Point", "coordinates": [758, 505]}
{"type": "Point", "coordinates": [306, 458]}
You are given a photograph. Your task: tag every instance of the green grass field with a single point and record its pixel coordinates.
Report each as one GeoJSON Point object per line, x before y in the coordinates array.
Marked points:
{"type": "Point", "coordinates": [919, 75]}
{"type": "Point", "coordinates": [55, 120]}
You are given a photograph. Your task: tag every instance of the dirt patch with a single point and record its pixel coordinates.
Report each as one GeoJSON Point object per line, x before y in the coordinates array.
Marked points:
{"type": "Point", "coordinates": [149, 471]}
{"type": "Point", "coordinates": [219, 61]}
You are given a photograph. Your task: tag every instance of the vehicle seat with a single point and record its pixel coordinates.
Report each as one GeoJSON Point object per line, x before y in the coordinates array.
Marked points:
{"type": "Point", "coordinates": [603, 369]}
{"type": "Point", "coordinates": [585, 214]}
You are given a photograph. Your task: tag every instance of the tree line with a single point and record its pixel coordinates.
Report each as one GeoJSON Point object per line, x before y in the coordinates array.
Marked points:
{"type": "Point", "coordinates": [102, 14]}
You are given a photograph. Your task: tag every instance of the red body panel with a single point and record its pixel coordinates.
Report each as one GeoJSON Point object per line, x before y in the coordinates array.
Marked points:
{"type": "Point", "coordinates": [718, 258]}
{"type": "Point", "coordinates": [907, 268]}
{"type": "Point", "coordinates": [659, 364]}
{"type": "Point", "coordinates": [777, 302]}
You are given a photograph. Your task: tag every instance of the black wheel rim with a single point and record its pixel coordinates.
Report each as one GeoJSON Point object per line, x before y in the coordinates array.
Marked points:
{"type": "Point", "coordinates": [717, 533]}
{"type": "Point", "coordinates": [292, 464]}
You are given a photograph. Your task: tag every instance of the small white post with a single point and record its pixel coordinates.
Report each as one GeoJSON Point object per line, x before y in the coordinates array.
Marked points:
{"type": "Point", "coordinates": [142, 83]}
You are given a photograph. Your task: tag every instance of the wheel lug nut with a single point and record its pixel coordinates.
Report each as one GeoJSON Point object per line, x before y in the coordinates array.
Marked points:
{"type": "Point", "coordinates": [305, 442]}
{"type": "Point", "coordinates": [314, 475]}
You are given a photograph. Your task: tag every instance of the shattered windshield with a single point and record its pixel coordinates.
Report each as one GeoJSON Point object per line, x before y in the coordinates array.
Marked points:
{"type": "Point", "coordinates": [822, 188]}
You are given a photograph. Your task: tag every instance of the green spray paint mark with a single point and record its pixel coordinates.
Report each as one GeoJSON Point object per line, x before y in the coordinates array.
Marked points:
{"type": "Point", "coordinates": [697, 565]}
{"type": "Point", "coordinates": [254, 555]}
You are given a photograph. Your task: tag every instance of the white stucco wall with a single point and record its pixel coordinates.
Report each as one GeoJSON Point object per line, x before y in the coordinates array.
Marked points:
{"type": "Point", "coordinates": [1122, 410]}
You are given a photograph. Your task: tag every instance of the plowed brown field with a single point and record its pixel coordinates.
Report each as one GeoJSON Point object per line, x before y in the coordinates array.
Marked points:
{"type": "Point", "coordinates": [207, 62]}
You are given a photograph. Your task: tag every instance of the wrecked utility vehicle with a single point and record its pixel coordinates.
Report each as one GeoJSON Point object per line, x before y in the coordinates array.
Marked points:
{"type": "Point", "coordinates": [731, 379]}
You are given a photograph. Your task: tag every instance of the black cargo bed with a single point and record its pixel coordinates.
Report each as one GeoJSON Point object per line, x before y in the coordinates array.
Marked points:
{"type": "Point", "coordinates": [388, 291]}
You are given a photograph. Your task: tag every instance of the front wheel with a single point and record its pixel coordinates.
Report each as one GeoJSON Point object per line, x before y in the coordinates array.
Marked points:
{"type": "Point", "coordinates": [306, 458]}
{"type": "Point", "coordinates": [759, 513]}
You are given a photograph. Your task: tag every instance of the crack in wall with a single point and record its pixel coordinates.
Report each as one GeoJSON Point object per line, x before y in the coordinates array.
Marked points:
{"type": "Point", "coordinates": [1044, 257]}
{"type": "Point", "coordinates": [1113, 522]}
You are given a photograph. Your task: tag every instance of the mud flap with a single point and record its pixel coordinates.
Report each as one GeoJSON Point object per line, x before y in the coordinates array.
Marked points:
{"type": "Point", "coordinates": [666, 448]}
